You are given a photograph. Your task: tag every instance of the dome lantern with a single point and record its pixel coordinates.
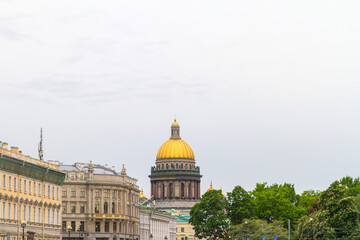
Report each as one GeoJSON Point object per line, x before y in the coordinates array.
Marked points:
{"type": "Point", "coordinates": [175, 129]}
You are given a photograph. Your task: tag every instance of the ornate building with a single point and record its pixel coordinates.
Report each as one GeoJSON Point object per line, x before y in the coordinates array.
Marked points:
{"type": "Point", "coordinates": [99, 203]}
{"type": "Point", "coordinates": [155, 224]}
{"type": "Point", "coordinates": [175, 180]}
{"type": "Point", "coordinates": [29, 196]}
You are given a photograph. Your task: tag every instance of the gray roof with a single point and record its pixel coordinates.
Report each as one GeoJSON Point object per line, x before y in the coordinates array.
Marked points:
{"type": "Point", "coordinates": [78, 167]}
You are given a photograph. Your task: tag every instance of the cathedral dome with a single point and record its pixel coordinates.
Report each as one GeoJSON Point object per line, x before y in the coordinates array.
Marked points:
{"type": "Point", "coordinates": [175, 147]}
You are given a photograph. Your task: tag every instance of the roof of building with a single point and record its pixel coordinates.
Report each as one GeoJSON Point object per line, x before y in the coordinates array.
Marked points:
{"type": "Point", "coordinates": [153, 209]}
{"type": "Point", "coordinates": [83, 167]}
{"type": "Point", "coordinates": [182, 219]}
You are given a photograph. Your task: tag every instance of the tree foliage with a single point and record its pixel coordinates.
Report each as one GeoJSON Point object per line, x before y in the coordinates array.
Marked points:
{"type": "Point", "coordinates": [277, 202]}
{"type": "Point", "coordinates": [258, 229]}
{"type": "Point", "coordinates": [352, 185]}
{"type": "Point", "coordinates": [308, 198]}
{"type": "Point", "coordinates": [240, 205]}
{"type": "Point", "coordinates": [337, 217]}
{"type": "Point", "coordinates": [209, 218]}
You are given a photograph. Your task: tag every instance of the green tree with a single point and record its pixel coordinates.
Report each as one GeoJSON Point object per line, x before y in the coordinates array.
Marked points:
{"type": "Point", "coordinates": [209, 218]}
{"type": "Point", "coordinates": [337, 217]}
{"type": "Point", "coordinates": [308, 198]}
{"type": "Point", "coordinates": [258, 229]}
{"type": "Point", "coordinates": [352, 185]}
{"type": "Point", "coordinates": [277, 202]}
{"type": "Point", "coordinates": [240, 205]}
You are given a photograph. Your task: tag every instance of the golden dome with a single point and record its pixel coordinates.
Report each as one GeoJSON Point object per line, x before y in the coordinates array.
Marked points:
{"type": "Point", "coordinates": [175, 148]}
{"type": "Point", "coordinates": [142, 194]}
{"type": "Point", "coordinates": [175, 123]}
{"type": "Point", "coordinates": [211, 187]}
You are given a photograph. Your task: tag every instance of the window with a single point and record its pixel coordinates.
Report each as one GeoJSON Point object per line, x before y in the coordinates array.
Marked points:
{"type": "Point", "coordinates": [9, 211]}
{"type": "Point", "coordinates": [4, 210]}
{"type": "Point", "coordinates": [15, 212]}
{"type": "Point", "coordinates": [53, 217]}
{"type": "Point", "coordinates": [97, 206]}
{"type": "Point", "coordinates": [107, 226]}
{"type": "Point", "coordinates": [39, 189]}
{"type": "Point", "coordinates": [10, 183]}
{"type": "Point", "coordinates": [44, 189]}
{"type": "Point", "coordinates": [82, 226]}
{"type": "Point", "coordinates": [29, 215]}
{"type": "Point", "coordinates": [53, 192]}
{"type": "Point", "coordinates": [105, 207]}
{"type": "Point", "coordinates": [34, 218]}
{"type": "Point", "coordinates": [182, 229]}
{"type": "Point", "coordinates": [30, 187]}
{"type": "Point", "coordinates": [64, 193]}
{"type": "Point", "coordinates": [20, 185]}
{"type": "Point", "coordinates": [63, 226]}
{"type": "Point", "coordinates": [106, 193]}
{"type": "Point", "coordinates": [113, 207]}
{"type": "Point", "coordinates": [57, 217]}
{"type": "Point", "coordinates": [97, 226]}
{"type": "Point", "coordinates": [97, 193]}
{"type": "Point", "coordinates": [4, 181]}
{"type": "Point", "coordinates": [73, 226]}
{"type": "Point", "coordinates": [64, 208]}
{"type": "Point", "coordinates": [82, 208]}
{"type": "Point", "coordinates": [39, 215]}
{"type": "Point", "coordinates": [34, 188]}
{"type": "Point", "coordinates": [73, 192]}
{"type": "Point", "coordinates": [49, 191]}
{"type": "Point", "coordinates": [48, 216]}
{"type": "Point", "coordinates": [113, 193]}
{"type": "Point", "coordinates": [57, 193]}
{"type": "Point", "coordinates": [20, 211]}
{"type": "Point", "coordinates": [114, 226]}
{"type": "Point", "coordinates": [24, 212]}
{"type": "Point", "coordinates": [82, 193]}
{"type": "Point", "coordinates": [73, 207]}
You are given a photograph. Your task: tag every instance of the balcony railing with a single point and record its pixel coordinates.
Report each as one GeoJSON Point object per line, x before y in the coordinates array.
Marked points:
{"type": "Point", "coordinates": [195, 171]}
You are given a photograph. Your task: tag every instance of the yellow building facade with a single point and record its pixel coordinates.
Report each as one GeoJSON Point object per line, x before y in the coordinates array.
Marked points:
{"type": "Point", "coordinates": [30, 192]}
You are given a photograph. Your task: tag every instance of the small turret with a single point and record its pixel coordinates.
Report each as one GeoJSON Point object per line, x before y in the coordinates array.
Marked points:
{"type": "Point", "coordinates": [123, 170]}
{"type": "Point", "coordinates": [91, 170]}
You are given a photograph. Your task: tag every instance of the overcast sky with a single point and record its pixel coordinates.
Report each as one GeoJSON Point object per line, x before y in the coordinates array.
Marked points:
{"type": "Point", "coordinates": [264, 91]}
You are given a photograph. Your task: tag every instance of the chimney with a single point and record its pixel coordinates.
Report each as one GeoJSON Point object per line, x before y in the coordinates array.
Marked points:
{"type": "Point", "coordinates": [15, 149]}
{"type": "Point", "coordinates": [5, 145]}
{"type": "Point", "coordinates": [113, 168]}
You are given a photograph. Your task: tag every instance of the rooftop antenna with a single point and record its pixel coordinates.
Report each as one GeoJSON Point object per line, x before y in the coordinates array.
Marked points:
{"type": "Point", "coordinates": [41, 154]}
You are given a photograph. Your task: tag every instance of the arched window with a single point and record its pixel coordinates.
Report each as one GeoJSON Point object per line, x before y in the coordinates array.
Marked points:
{"type": "Point", "coordinates": [189, 189]}
{"type": "Point", "coordinates": [185, 166]}
{"type": "Point", "coordinates": [113, 207]}
{"type": "Point", "coordinates": [162, 166]}
{"type": "Point", "coordinates": [170, 190]}
{"type": "Point", "coordinates": [177, 165]}
{"type": "Point", "coordinates": [163, 190]}
{"type": "Point", "coordinates": [167, 166]}
{"type": "Point", "coordinates": [182, 190]}
{"type": "Point", "coordinates": [105, 207]}
{"type": "Point", "coordinates": [190, 166]}
{"type": "Point", "coordinates": [97, 206]}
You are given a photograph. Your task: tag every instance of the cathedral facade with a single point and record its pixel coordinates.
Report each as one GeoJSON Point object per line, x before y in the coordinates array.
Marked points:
{"type": "Point", "coordinates": [175, 178]}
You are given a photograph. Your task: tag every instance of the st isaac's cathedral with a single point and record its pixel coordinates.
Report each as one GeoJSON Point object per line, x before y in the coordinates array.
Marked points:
{"type": "Point", "coordinates": [175, 178]}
